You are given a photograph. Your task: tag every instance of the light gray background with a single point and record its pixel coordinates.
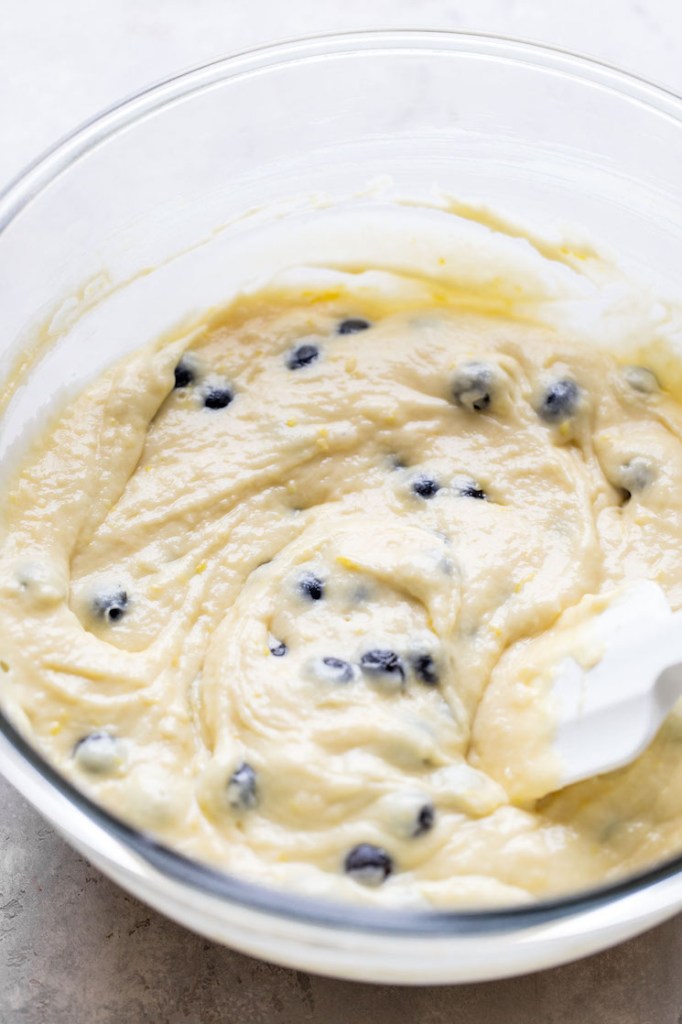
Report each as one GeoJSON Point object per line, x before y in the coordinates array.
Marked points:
{"type": "Point", "coordinates": [74, 949]}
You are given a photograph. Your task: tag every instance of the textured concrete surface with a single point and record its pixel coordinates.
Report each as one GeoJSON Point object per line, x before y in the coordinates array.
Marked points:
{"type": "Point", "coordinates": [74, 949]}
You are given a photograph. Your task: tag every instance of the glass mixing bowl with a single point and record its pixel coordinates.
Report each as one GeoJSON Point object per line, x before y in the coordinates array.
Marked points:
{"type": "Point", "coordinates": [166, 202]}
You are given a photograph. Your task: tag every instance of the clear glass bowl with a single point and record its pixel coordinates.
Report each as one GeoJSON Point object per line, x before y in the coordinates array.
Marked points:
{"type": "Point", "coordinates": [155, 209]}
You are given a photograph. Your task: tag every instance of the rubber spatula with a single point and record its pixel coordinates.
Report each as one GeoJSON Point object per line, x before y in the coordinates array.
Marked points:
{"type": "Point", "coordinates": [607, 715]}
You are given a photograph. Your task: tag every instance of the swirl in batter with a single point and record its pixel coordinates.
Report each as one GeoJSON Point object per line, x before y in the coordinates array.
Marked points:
{"type": "Point", "coordinates": [270, 592]}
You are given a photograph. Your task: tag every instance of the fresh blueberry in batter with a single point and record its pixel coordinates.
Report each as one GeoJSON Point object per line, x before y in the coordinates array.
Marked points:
{"type": "Point", "coordinates": [184, 375]}
{"type": "Point", "coordinates": [633, 476]}
{"type": "Point", "coordinates": [425, 486]}
{"type": "Point", "coordinates": [334, 670]}
{"type": "Point", "coordinates": [368, 864]}
{"type": "Point", "coordinates": [304, 355]}
{"type": "Point", "coordinates": [559, 401]}
{"type": "Point", "coordinates": [218, 398]}
{"type": "Point", "coordinates": [425, 820]}
{"type": "Point", "coordinates": [242, 791]}
{"type": "Point", "coordinates": [110, 605]}
{"type": "Point", "coordinates": [353, 326]}
{"type": "Point", "coordinates": [470, 489]}
{"type": "Point", "coordinates": [472, 386]}
{"type": "Point", "coordinates": [97, 753]}
{"type": "Point", "coordinates": [641, 379]}
{"type": "Point", "coordinates": [311, 586]}
{"type": "Point", "coordinates": [425, 669]}
{"type": "Point", "coordinates": [278, 648]}
{"type": "Point", "coordinates": [384, 663]}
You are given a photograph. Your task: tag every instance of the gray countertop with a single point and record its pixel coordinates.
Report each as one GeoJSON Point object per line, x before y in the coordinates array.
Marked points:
{"type": "Point", "coordinates": [73, 947]}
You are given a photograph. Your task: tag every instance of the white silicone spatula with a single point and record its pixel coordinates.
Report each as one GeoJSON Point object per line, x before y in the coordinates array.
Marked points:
{"type": "Point", "coordinates": [607, 715]}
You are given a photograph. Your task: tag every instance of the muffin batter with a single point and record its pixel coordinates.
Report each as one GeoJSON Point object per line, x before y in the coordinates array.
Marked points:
{"type": "Point", "coordinates": [271, 592]}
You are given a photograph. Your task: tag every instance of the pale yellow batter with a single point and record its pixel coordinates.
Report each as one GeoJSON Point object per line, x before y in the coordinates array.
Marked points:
{"type": "Point", "coordinates": [271, 593]}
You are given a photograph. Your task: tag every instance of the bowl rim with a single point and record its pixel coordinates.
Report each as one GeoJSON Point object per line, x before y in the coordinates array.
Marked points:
{"type": "Point", "coordinates": [30, 182]}
{"type": "Point", "coordinates": [23, 187]}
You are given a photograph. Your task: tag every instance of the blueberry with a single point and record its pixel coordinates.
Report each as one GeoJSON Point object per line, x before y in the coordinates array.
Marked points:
{"type": "Point", "coordinates": [473, 386]}
{"type": "Point", "coordinates": [311, 586]}
{"type": "Point", "coordinates": [184, 375]}
{"type": "Point", "coordinates": [242, 792]}
{"type": "Point", "coordinates": [470, 489]}
{"type": "Point", "coordinates": [559, 401]}
{"type": "Point", "coordinates": [218, 398]}
{"type": "Point", "coordinates": [278, 648]}
{"type": "Point", "coordinates": [333, 670]}
{"type": "Point", "coordinates": [383, 663]}
{"type": "Point", "coordinates": [304, 355]}
{"type": "Point", "coordinates": [110, 605]}
{"type": "Point", "coordinates": [99, 752]}
{"type": "Point", "coordinates": [634, 475]}
{"type": "Point", "coordinates": [425, 486]}
{"type": "Point", "coordinates": [425, 669]}
{"type": "Point", "coordinates": [425, 820]}
{"type": "Point", "coordinates": [353, 326]}
{"type": "Point", "coordinates": [641, 379]}
{"type": "Point", "coordinates": [368, 864]}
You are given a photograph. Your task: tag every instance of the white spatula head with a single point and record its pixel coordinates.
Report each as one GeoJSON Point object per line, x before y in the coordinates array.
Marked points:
{"type": "Point", "coordinates": [608, 714]}
{"type": "Point", "coordinates": [583, 698]}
